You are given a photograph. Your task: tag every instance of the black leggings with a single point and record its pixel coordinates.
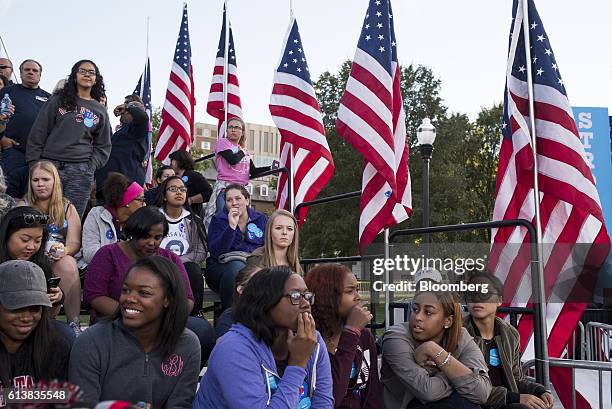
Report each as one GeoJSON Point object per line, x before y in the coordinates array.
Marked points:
{"type": "Point", "coordinates": [454, 401]}
{"type": "Point", "coordinates": [196, 281]}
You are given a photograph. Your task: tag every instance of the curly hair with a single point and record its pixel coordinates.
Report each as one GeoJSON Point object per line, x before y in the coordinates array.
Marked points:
{"type": "Point", "coordinates": [69, 95]}
{"type": "Point", "coordinates": [326, 281]}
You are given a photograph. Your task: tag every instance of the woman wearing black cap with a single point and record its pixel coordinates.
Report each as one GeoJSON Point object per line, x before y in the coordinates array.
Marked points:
{"type": "Point", "coordinates": [30, 349]}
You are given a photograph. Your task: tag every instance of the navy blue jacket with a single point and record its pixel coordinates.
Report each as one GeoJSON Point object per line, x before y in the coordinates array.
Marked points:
{"type": "Point", "coordinates": [222, 238]}
{"type": "Point", "coordinates": [28, 103]}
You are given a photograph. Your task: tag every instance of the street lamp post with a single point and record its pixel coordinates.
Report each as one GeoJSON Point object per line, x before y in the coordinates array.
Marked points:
{"type": "Point", "coordinates": [426, 135]}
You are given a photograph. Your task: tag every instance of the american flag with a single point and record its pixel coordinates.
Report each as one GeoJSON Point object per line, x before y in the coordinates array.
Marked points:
{"type": "Point", "coordinates": [215, 105]}
{"type": "Point", "coordinates": [176, 128]}
{"type": "Point", "coordinates": [570, 209]}
{"type": "Point", "coordinates": [371, 118]}
{"type": "Point", "coordinates": [143, 90]}
{"type": "Point", "coordinates": [297, 116]}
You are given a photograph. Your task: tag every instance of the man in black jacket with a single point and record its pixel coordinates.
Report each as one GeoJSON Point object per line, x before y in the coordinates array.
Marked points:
{"type": "Point", "coordinates": [129, 144]}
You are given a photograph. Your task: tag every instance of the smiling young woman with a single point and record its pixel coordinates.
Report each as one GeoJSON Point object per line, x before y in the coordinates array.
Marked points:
{"type": "Point", "coordinates": [30, 348]}
{"type": "Point", "coordinates": [147, 336]}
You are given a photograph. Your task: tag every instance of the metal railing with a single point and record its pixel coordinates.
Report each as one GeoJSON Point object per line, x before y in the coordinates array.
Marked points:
{"type": "Point", "coordinates": [540, 344]}
{"type": "Point", "coordinates": [600, 367]}
{"type": "Point", "coordinates": [598, 341]}
{"type": "Point", "coordinates": [262, 174]}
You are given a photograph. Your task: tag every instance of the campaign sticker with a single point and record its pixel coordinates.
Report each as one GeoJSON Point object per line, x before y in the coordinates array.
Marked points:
{"type": "Point", "coordinates": [88, 119]}
{"type": "Point", "coordinates": [185, 179]}
{"type": "Point", "coordinates": [304, 402]}
{"type": "Point", "coordinates": [494, 357]}
{"type": "Point", "coordinates": [109, 234]}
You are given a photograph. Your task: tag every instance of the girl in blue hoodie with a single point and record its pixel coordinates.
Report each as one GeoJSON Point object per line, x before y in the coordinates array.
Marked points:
{"type": "Point", "coordinates": [273, 357]}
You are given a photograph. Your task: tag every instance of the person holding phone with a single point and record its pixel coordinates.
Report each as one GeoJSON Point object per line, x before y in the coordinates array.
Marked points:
{"type": "Point", "coordinates": [274, 355]}
{"type": "Point", "coordinates": [23, 230]}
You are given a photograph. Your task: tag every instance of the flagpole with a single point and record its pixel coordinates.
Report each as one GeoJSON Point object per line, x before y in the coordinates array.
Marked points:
{"type": "Point", "coordinates": [387, 293]}
{"type": "Point", "coordinates": [292, 156]}
{"type": "Point", "coordinates": [226, 67]}
{"type": "Point", "coordinates": [142, 85]}
{"type": "Point", "coordinates": [539, 296]}
{"type": "Point", "coordinates": [7, 56]}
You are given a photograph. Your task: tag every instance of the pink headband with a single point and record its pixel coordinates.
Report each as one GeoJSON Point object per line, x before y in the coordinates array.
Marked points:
{"type": "Point", "coordinates": [131, 193]}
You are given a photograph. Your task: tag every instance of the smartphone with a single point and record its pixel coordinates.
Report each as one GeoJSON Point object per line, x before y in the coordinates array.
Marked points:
{"type": "Point", "coordinates": [53, 282]}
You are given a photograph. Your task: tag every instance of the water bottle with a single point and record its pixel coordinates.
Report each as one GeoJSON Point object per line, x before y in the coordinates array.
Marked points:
{"type": "Point", "coordinates": [4, 105]}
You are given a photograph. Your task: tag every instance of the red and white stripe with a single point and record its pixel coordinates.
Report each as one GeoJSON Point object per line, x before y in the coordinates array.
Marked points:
{"type": "Point", "coordinates": [304, 148]}
{"type": "Point", "coordinates": [372, 119]}
{"type": "Point", "coordinates": [176, 127]}
{"type": "Point", "coordinates": [215, 106]}
{"type": "Point", "coordinates": [575, 239]}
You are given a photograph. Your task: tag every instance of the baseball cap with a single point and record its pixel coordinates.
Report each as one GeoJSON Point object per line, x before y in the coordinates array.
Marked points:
{"type": "Point", "coordinates": [22, 284]}
{"type": "Point", "coordinates": [428, 273]}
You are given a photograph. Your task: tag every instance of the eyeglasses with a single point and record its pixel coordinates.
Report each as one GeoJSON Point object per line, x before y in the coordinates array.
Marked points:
{"type": "Point", "coordinates": [479, 297]}
{"type": "Point", "coordinates": [2, 67]}
{"type": "Point", "coordinates": [296, 297]}
{"type": "Point", "coordinates": [83, 71]}
{"type": "Point", "coordinates": [29, 219]}
{"type": "Point", "coordinates": [234, 128]}
{"type": "Point", "coordinates": [176, 189]}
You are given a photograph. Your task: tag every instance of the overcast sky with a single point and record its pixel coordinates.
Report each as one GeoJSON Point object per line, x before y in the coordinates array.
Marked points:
{"type": "Point", "coordinates": [464, 42]}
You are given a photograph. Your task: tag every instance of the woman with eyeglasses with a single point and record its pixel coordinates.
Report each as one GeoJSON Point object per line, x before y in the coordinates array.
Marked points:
{"type": "Point", "coordinates": [431, 362]}
{"type": "Point", "coordinates": [500, 344]}
{"type": "Point", "coordinates": [185, 235]}
{"type": "Point", "coordinates": [145, 230]}
{"type": "Point", "coordinates": [281, 243]}
{"type": "Point", "coordinates": [231, 237]}
{"type": "Point", "coordinates": [64, 240]}
{"type": "Point", "coordinates": [31, 350]}
{"type": "Point", "coordinates": [104, 224]}
{"type": "Point", "coordinates": [198, 188]}
{"type": "Point", "coordinates": [73, 131]}
{"type": "Point", "coordinates": [234, 164]}
{"type": "Point", "coordinates": [143, 353]}
{"type": "Point", "coordinates": [273, 357]}
{"type": "Point", "coordinates": [341, 317]}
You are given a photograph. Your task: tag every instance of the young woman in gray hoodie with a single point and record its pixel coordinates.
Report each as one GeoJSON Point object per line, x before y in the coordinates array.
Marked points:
{"type": "Point", "coordinates": [432, 360]}
{"type": "Point", "coordinates": [143, 353]}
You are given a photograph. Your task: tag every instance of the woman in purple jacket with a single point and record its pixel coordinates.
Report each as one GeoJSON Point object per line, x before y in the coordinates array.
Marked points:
{"type": "Point", "coordinates": [341, 317]}
{"type": "Point", "coordinates": [232, 235]}
{"type": "Point", "coordinates": [273, 357]}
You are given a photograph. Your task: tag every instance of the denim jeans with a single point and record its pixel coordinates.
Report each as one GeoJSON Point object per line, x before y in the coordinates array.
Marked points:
{"type": "Point", "coordinates": [205, 333]}
{"type": "Point", "coordinates": [196, 281]}
{"type": "Point", "coordinates": [221, 277]}
{"type": "Point", "coordinates": [454, 401]}
{"type": "Point", "coordinates": [15, 172]}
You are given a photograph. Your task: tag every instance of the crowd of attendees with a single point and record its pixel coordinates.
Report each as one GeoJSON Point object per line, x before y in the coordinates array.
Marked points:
{"type": "Point", "coordinates": [79, 228]}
